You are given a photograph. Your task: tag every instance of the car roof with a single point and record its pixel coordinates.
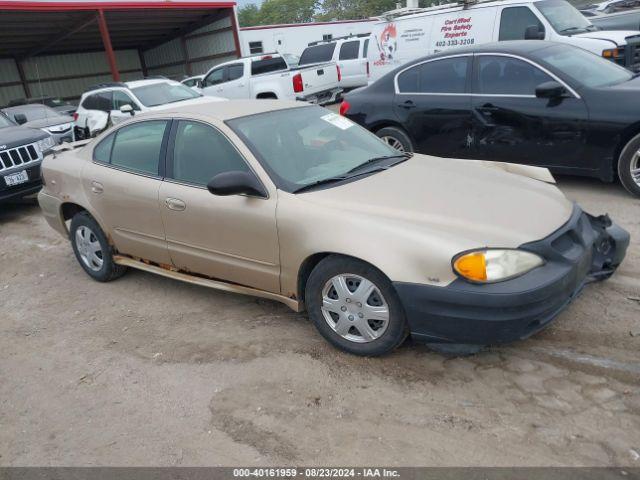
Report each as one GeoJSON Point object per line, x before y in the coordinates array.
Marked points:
{"type": "Point", "coordinates": [26, 107]}
{"type": "Point", "coordinates": [227, 110]}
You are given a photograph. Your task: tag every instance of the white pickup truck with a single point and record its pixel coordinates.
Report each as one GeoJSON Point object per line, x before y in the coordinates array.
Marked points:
{"type": "Point", "coordinates": [269, 76]}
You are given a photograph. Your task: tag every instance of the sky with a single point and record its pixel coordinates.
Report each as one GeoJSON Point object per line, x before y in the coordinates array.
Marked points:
{"type": "Point", "coordinates": [242, 3]}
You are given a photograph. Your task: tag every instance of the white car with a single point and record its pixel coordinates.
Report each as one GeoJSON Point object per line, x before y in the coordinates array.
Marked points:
{"type": "Point", "coordinates": [111, 103]}
{"type": "Point", "coordinates": [269, 76]}
{"type": "Point", "coordinates": [349, 53]}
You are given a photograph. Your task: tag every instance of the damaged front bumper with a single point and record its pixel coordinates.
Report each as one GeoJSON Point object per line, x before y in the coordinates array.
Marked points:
{"type": "Point", "coordinates": [583, 250]}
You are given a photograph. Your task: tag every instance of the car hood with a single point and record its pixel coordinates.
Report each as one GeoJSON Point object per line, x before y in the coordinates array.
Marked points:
{"type": "Point", "coordinates": [468, 202]}
{"type": "Point", "coordinates": [184, 103]}
{"type": "Point", "coordinates": [15, 136]}
{"type": "Point", "coordinates": [617, 36]}
{"type": "Point", "coordinates": [49, 122]}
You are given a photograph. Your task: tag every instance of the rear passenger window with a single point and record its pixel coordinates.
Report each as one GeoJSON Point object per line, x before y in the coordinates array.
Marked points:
{"type": "Point", "coordinates": [201, 152]}
{"type": "Point", "coordinates": [448, 75]}
{"type": "Point", "coordinates": [317, 54]}
{"type": "Point", "coordinates": [515, 21]}
{"type": "Point", "coordinates": [349, 50]}
{"type": "Point", "coordinates": [102, 152]}
{"type": "Point", "coordinates": [137, 147]}
{"type": "Point", "coordinates": [235, 71]}
{"type": "Point", "coordinates": [268, 65]}
{"type": "Point", "coordinates": [508, 76]}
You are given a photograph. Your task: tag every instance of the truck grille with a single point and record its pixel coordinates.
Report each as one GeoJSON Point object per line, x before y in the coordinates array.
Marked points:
{"type": "Point", "coordinates": [19, 156]}
{"type": "Point", "coordinates": [632, 53]}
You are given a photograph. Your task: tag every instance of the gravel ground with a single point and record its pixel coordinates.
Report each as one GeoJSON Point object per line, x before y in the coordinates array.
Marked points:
{"type": "Point", "coordinates": [150, 371]}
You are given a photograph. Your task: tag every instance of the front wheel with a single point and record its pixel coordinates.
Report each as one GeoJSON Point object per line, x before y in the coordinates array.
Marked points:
{"type": "Point", "coordinates": [355, 307]}
{"type": "Point", "coordinates": [396, 138]}
{"type": "Point", "coordinates": [629, 166]}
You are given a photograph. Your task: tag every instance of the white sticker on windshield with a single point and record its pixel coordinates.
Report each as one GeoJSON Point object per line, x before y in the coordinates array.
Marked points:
{"type": "Point", "coordinates": [338, 121]}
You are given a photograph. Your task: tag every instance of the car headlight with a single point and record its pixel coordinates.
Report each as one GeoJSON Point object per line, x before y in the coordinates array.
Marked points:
{"type": "Point", "coordinates": [494, 265]}
{"type": "Point", "coordinates": [59, 128]}
{"type": "Point", "coordinates": [46, 144]}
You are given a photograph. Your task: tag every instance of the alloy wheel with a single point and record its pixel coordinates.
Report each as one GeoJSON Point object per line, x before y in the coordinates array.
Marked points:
{"type": "Point", "coordinates": [393, 143]}
{"type": "Point", "coordinates": [634, 165]}
{"type": "Point", "coordinates": [354, 308]}
{"type": "Point", "coordinates": [89, 248]}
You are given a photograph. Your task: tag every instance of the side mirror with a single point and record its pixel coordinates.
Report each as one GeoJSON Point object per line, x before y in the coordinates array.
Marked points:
{"type": "Point", "coordinates": [534, 32]}
{"type": "Point", "coordinates": [20, 118]}
{"type": "Point", "coordinates": [126, 108]}
{"type": "Point", "coordinates": [550, 90]}
{"type": "Point", "coordinates": [237, 183]}
{"type": "Point", "coordinates": [199, 83]}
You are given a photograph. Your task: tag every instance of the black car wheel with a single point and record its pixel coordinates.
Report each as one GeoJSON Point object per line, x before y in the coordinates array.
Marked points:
{"type": "Point", "coordinates": [355, 307]}
{"type": "Point", "coordinates": [396, 138]}
{"type": "Point", "coordinates": [92, 249]}
{"type": "Point", "coordinates": [629, 166]}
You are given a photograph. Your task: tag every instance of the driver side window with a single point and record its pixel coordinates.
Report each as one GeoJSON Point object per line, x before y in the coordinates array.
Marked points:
{"type": "Point", "coordinates": [120, 99]}
{"type": "Point", "coordinates": [514, 22]}
{"type": "Point", "coordinates": [214, 78]}
{"type": "Point", "coordinates": [201, 152]}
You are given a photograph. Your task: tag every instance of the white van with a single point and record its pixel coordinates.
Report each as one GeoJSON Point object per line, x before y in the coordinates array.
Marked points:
{"type": "Point", "coordinates": [407, 34]}
{"type": "Point", "coordinates": [349, 53]}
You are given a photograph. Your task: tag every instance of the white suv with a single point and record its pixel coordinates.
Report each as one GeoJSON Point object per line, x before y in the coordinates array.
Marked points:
{"type": "Point", "coordinates": [350, 54]}
{"type": "Point", "coordinates": [107, 104]}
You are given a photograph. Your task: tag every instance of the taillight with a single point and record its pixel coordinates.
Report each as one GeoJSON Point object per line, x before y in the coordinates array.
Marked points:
{"type": "Point", "coordinates": [368, 70]}
{"type": "Point", "coordinates": [75, 116]}
{"type": "Point", "coordinates": [339, 73]}
{"type": "Point", "coordinates": [297, 83]}
{"type": "Point", "coordinates": [344, 107]}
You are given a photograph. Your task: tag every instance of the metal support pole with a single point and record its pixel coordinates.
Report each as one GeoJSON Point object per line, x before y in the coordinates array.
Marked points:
{"type": "Point", "coordinates": [23, 78]}
{"type": "Point", "coordinates": [106, 40]}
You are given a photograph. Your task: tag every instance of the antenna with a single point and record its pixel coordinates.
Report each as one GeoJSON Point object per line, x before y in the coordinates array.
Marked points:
{"type": "Point", "coordinates": [46, 115]}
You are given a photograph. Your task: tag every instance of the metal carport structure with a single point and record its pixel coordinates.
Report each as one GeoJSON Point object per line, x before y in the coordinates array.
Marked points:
{"type": "Point", "coordinates": [60, 47]}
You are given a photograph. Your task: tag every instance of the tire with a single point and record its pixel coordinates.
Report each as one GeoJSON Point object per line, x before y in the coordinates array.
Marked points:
{"type": "Point", "coordinates": [345, 323]}
{"type": "Point", "coordinates": [92, 249]}
{"type": "Point", "coordinates": [630, 160]}
{"type": "Point", "coordinates": [396, 138]}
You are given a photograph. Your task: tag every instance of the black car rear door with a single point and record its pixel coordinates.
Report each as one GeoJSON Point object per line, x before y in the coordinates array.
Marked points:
{"type": "Point", "coordinates": [512, 125]}
{"type": "Point", "coordinates": [433, 103]}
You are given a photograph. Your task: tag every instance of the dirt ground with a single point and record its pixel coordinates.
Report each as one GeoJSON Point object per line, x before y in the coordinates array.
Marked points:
{"type": "Point", "coordinates": [150, 371]}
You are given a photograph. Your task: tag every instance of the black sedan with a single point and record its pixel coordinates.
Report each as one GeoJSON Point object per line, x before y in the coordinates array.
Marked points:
{"type": "Point", "coordinates": [532, 102]}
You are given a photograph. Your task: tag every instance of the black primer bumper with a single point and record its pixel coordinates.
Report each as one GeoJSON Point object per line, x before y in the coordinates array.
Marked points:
{"type": "Point", "coordinates": [585, 249]}
{"type": "Point", "coordinates": [19, 191]}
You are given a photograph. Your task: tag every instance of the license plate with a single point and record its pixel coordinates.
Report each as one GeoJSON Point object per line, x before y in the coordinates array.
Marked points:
{"type": "Point", "coordinates": [16, 178]}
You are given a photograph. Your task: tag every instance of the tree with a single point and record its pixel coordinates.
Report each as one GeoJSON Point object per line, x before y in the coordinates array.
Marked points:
{"type": "Point", "coordinates": [354, 9]}
{"type": "Point", "coordinates": [278, 11]}
{"type": "Point", "coordinates": [249, 15]}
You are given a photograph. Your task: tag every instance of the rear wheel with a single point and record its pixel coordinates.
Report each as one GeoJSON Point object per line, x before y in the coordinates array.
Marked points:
{"type": "Point", "coordinates": [629, 166]}
{"type": "Point", "coordinates": [355, 307]}
{"type": "Point", "coordinates": [396, 138]}
{"type": "Point", "coordinates": [92, 249]}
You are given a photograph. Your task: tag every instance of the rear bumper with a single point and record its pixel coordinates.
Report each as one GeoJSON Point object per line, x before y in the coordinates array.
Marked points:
{"type": "Point", "coordinates": [322, 98]}
{"type": "Point", "coordinates": [583, 250]}
{"type": "Point", "coordinates": [52, 211]}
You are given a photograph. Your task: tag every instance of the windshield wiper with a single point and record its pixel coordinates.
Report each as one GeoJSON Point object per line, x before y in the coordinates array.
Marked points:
{"type": "Point", "coordinates": [320, 182]}
{"type": "Point", "coordinates": [404, 156]}
{"type": "Point", "coordinates": [572, 29]}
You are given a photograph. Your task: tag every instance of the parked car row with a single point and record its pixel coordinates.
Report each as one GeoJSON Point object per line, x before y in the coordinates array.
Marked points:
{"type": "Point", "coordinates": [294, 203]}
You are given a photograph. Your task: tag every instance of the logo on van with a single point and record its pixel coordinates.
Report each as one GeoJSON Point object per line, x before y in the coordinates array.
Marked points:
{"type": "Point", "coordinates": [388, 42]}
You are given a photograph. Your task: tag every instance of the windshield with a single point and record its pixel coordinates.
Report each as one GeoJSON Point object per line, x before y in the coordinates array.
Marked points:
{"type": "Point", "coordinates": [564, 17]}
{"type": "Point", "coordinates": [583, 67]}
{"type": "Point", "coordinates": [302, 146]}
{"type": "Point", "coordinates": [32, 112]}
{"type": "Point", "coordinates": [163, 93]}
{"type": "Point", "coordinates": [5, 122]}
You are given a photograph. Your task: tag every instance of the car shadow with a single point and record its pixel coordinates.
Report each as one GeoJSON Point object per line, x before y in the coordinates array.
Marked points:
{"type": "Point", "coordinates": [15, 210]}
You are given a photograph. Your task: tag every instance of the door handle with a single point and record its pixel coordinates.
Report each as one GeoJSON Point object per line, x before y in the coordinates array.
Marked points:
{"type": "Point", "coordinates": [97, 187]}
{"type": "Point", "coordinates": [407, 105]}
{"type": "Point", "coordinates": [489, 108]}
{"type": "Point", "coordinates": [175, 204]}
